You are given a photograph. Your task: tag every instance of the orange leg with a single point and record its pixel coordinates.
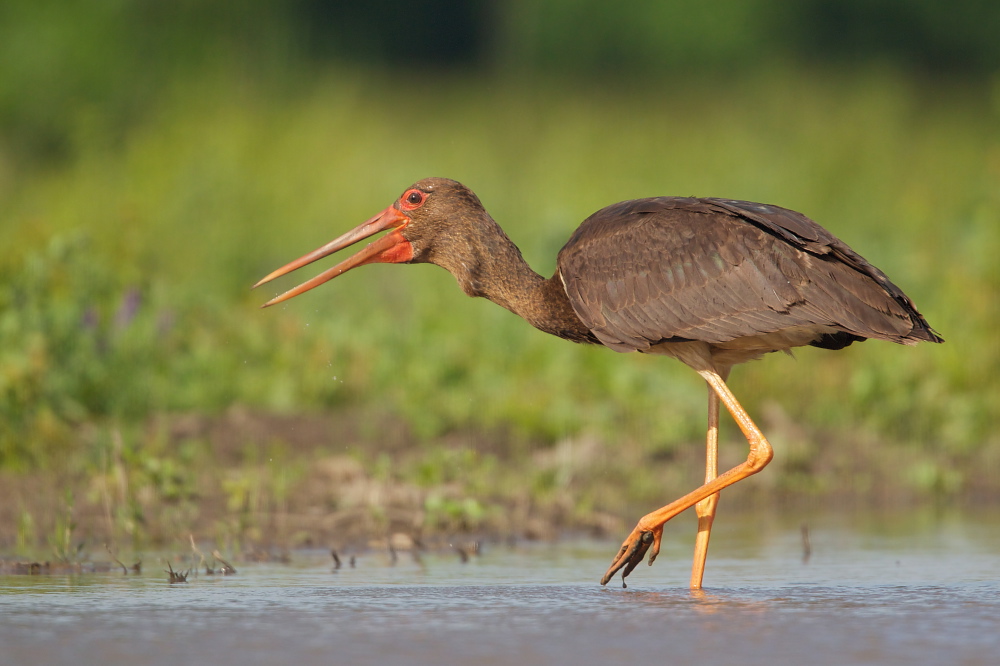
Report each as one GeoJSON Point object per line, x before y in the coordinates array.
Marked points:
{"type": "Point", "coordinates": [706, 508]}
{"type": "Point", "coordinates": [649, 531]}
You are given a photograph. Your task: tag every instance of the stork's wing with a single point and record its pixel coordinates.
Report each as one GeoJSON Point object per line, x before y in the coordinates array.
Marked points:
{"type": "Point", "coordinates": [671, 268]}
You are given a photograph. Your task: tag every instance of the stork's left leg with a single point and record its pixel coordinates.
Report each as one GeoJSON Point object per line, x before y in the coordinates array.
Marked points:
{"type": "Point", "coordinates": [705, 509]}
{"type": "Point", "coordinates": [647, 534]}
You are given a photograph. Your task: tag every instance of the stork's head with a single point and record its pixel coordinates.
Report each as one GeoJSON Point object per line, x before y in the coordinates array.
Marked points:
{"type": "Point", "coordinates": [422, 221]}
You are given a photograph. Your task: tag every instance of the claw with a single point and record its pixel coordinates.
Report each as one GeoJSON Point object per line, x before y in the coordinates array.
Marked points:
{"type": "Point", "coordinates": [637, 552]}
{"type": "Point", "coordinates": [657, 538]}
{"type": "Point", "coordinates": [632, 552]}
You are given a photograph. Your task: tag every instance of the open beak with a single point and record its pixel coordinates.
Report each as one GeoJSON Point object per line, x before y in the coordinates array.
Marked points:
{"type": "Point", "coordinates": [390, 249]}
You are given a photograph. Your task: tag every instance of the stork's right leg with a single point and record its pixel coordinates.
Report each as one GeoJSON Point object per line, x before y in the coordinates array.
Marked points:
{"type": "Point", "coordinates": [705, 509]}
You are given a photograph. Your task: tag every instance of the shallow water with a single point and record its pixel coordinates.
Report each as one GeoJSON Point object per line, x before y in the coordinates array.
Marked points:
{"type": "Point", "coordinates": [925, 593]}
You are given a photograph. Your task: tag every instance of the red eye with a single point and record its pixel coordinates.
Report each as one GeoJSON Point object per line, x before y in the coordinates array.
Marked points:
{"type": "Point", "coordinates": [412, 199]}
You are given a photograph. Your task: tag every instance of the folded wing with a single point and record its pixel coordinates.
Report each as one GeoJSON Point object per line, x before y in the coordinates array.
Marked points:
{"type": "Point", "coordinates": [671, 269]}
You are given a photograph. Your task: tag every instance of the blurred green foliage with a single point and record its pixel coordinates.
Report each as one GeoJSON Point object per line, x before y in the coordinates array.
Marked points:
{"type": "Point", "coordinates": [70, 69]}
{"type": "Point", "coordinates": [156, 159]}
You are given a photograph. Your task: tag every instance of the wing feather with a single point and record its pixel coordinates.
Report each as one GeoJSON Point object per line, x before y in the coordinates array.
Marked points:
{"type": "Point", "coordinates": [646, 271]}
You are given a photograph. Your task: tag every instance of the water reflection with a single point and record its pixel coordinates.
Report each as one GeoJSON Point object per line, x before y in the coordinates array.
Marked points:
{"type": "Point", "coordinates": [927, 595]}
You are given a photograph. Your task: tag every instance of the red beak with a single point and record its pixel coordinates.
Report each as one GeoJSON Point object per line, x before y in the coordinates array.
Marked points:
{"type": "Point", "coordinates": [390, 249]}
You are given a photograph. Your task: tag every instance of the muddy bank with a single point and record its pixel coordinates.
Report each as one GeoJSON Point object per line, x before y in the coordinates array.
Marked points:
{"type": "Point", "coordinates": [255, 482]}
{"type": "Point", "coordinates": [261, 483]}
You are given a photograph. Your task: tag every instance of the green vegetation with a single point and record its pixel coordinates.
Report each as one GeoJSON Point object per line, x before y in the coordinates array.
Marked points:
{"type": "Point", "coordinates": [126, 256]}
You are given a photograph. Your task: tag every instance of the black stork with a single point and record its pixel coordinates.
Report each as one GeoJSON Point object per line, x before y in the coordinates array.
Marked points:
{"type": "Point", "coordinates": [710, 282]}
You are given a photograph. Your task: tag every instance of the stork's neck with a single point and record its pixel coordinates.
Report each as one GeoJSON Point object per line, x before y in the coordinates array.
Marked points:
{"type": "Point", "coordinates": [488, 264]}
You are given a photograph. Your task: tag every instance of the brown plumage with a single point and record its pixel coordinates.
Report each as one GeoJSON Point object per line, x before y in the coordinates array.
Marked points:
{"type": "Point", "coordinates": [740, 276]}
{"type": "Point", "coordinates": [712, 282]}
